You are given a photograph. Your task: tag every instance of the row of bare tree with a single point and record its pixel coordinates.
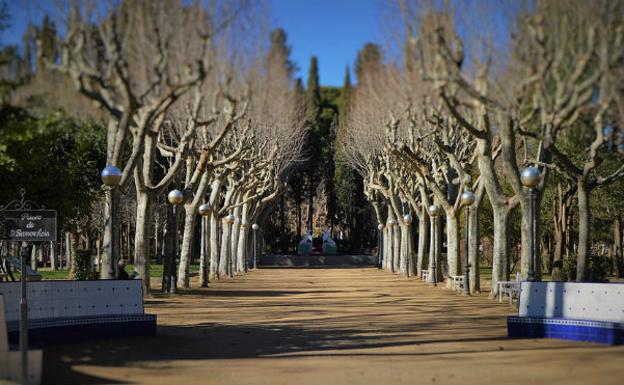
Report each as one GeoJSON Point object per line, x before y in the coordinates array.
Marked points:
{"type": "Point", "coordinates": [481, 92]}
{"type": "Point", "coordinates": [193, 100]}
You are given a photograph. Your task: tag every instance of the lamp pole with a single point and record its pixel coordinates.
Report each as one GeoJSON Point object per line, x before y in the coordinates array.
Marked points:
{"type": "Point", "coordinates": [530, 178]}
{"type": "Point", "coordinates": [467, 199]}
{"type": "Point", "coordinates": [175, 197]}
{"type": "Point", "coordinates": [230, 219]}
{"type": "Point", "coordinates": [23, 332]}
{"type": "Point", "coordinates": [434, 211]}
{"type": "Point", "coordinates": [380, 255]}
{"type": "Point", "coordinates": [204, 211]}
{"type": "Point", "coordinates": [407, 220]}
{"type": "Point", "coordinates": [111, 176]}
{"type": "Point", "coordinates": [255, 228]}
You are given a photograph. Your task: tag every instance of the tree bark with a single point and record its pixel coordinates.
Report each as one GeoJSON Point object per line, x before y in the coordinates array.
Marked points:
{"type": "Point", "coordinates": [214, 246]}
{"type": "Point", "coordinates": [500, 248]}
{"type": "Point", "coordinates": [186, 249]}
{"type": "Point", "coordinates": [396, 248]}
{"type": "Point", "coordinates": [243, 235]}
{"type": "Point", "coordinates": [583, 232]}
{"type": "Point", "coordinates": [406, 250]}
{"type": "Point", "coordinates": [53, 263]}
{"type": "Point", "coordinates": [452, 245]}
{"type": "Point", "coordinates": [68, 249]}
{"type": "Point", "coordinates": [224, 261]}
{"type": "Point", "coordinates": [141, 241]}
{"type": "Point", "coordinates": [618, 255]}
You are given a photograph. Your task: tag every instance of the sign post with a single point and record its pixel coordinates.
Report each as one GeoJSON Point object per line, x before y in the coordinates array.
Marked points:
{"type": "Point", "coordinates": [19, 222]}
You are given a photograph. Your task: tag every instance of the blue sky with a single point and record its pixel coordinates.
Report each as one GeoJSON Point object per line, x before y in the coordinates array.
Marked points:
{"type": "Point", "coordinates": [333, 30]}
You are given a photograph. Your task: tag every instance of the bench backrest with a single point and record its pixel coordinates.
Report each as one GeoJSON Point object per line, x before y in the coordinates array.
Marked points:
{"type": "Point", "coordinates": [54, 299]}
{"type": "Point", "coordinates": [572, 300]}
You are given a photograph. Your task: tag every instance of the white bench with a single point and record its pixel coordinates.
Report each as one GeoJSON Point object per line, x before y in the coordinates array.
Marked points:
{"type": "Point", "coordinates": [570, 310]}
{"type": "Point", "coordinates": [457, 282]}
{"type": "Point", "coordinates": [10, 360]}
{"type": "Point", "coordinates": [63, 311]}
{"type": "Point", "coordinates": [509, 288]}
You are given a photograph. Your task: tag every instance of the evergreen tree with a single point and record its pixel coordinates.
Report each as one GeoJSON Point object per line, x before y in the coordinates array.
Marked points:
{"type": "Point", "coordinates": [313, 108]}
{"type": "Point", "coordinates": [369, 58]}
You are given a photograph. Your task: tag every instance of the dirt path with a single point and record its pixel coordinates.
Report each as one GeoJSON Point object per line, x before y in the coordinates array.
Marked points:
{"type": "Point", "coordinates": [330, 326]}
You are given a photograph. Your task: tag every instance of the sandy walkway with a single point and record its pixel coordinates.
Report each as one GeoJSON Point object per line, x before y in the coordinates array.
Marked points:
{"type": "Point", "coordinates": [330, 326]}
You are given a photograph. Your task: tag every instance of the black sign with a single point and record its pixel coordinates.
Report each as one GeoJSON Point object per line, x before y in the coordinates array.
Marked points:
{"type": "Point", "coordinates": [28, 225]}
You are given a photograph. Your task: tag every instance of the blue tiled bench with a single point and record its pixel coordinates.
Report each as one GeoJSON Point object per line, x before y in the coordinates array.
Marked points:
{"type": "Point", "coordinates": [63, 311]}
{"type": "Point", "coordinates": [592, 312]}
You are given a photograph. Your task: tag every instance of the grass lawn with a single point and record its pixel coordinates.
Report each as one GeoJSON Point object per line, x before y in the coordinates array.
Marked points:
{"type": "Point", "coordinates": [156, 271]}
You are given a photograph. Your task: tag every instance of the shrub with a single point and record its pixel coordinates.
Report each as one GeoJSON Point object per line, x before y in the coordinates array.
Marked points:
{"type": "Point", "coordinates": [84, 268]}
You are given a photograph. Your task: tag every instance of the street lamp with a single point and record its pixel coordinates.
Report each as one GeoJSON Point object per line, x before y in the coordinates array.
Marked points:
{"type": "Point", "coordinates": [530, 178]}
{"type": "Point", "coordinates": [175, 197]}
{"type": "Point", "coordinates": [255, 228]}
{"type": "Point", "coordinates": [111, 176]}
{"type": "Point", "coordinates": [380, 228]}
{"type": "Point", "coordinates": [434, 211]}
{"type": "Point", "coordinates": [467, 199]}
{"type": "Point", "coordinates": [204, 211]}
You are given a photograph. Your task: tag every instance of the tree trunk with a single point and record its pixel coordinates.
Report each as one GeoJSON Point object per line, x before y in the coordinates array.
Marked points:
{"type": "Point", "coordinates": [618, 253]}
{"type": "Point", "coordinates": [583, 232]}
{"type": "Point", "coordinates": [405, 250]}
{"type": "Point", "coordinates": [224, 261]}
{"type": "Point", "coordinates": [452, 246]}
{"type": "Point", "coordinates": [68, 249]}
{"type": "Point", "coordinates": [53, 256]}
{"type": "Point", "coordinates": [33, 256]}
{"type": "Point", "coordinates": [214, 246]}
{"type": "Point", "coordinates": [243, 234]}
{"type": "Point", "coordinates": [396, 249]}
{"type": "Point", "coordinates": [387, 253]}
{"type": "Point", "coordinates": [500, 248]}
{"type": "Point", "coordinates": [141, 241]}
{"type": "Point", "coordinates": [73, 246]}
{"type": "Point", "coordinates": [186, 249]}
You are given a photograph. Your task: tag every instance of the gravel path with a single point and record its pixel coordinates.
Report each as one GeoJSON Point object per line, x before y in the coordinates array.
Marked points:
{"type": "Point", "coordinates": [330, 326]}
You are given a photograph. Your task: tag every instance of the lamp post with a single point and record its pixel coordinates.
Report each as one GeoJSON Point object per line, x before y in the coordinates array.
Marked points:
{"type": "Point", "coordinates": [175, 197]}
{"type": "Point", "coordinates": [407, 219]}
{"type": "Point", "coordinates": [380, 255]}
{"type": "Point", "coordinates": [111, 176]}
{"type": "Point", "coordinates": [467, 199]}
{"type": "Point", "coordinates": [530, 178]}
{"type": "Point", "coordinates": [23, 330]}
{"type": "Point", "coordinates": [255, 228]}
{"type": "Point", "coordinates": [204, 211]}
{"type": "Point", "coordinates": [434, 211]}
{"type": "Point", "coordinates": [229, 220]}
